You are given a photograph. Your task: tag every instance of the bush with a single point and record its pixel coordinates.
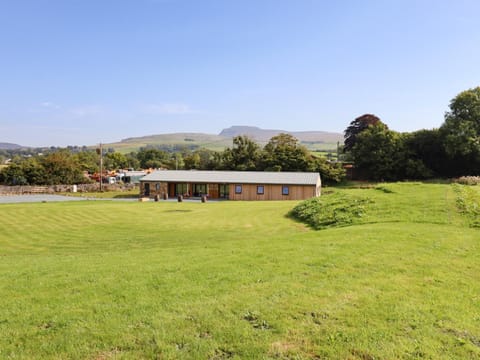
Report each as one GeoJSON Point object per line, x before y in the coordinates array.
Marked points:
{"type": "Point", "coordinates": [468, 180]}
{"type": "Point", "coordinates": [468, 203]}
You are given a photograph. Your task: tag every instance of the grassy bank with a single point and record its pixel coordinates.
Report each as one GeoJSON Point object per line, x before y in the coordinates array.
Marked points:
{"type": "Point", "coordinates": [99, 280]}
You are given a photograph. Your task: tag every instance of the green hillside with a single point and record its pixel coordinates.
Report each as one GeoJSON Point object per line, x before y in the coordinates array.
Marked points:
{"type": "Point", "coordinates": [192, 140]}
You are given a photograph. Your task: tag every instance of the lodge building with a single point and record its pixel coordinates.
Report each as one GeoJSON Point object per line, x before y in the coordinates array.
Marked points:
{"type": "Point", "coordinates": [231, 185]}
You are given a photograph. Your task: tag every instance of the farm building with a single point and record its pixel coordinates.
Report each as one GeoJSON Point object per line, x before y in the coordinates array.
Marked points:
{"type": "Point", "coordinates": [232, 185]}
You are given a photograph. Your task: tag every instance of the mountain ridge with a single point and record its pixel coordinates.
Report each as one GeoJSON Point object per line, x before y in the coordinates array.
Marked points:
{"type": "Point", "coordinates": [312, 139]}
{"type": "Point", "coordinates": [10, 146]}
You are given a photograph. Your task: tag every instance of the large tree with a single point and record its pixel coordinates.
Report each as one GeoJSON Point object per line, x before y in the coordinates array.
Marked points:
{"type": "Point", "coordinates": [58, 167]}
{"type": "Point", "coordinates": [153, 158]}
{"type": "Point", "coordinates": [426, 146]}
{"type": "Point", "coordinates": [61, 167]}
{"type": "Point", "coordinates": [88, 160]}
{"type": "Point", "coordinates": [243, 155]}
{"type": "Point", "coordinates": [115, 160]}
{"type": "Point", "coordinates": [202, 159]}
{"type": "Point", "coordinates": [461, 130]}
{"type": "Point", "coordinates": [284, 153]}
{"type": "Point", "coordinates": [376, 153]}
{"type": "Point", "coordinates": [356, 127]}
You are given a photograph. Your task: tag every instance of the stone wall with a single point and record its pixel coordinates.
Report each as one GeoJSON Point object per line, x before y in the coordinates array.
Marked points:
{"type": "Point", "coordinates": [51, 189]}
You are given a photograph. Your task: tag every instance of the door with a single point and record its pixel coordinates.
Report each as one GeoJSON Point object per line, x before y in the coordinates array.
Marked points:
{"type": "Point", "coordinates": [147, 189]}
{"type": "Point", "coordinates": [223, 190]}
{"type": "Point", "coordinates": [213, 191]}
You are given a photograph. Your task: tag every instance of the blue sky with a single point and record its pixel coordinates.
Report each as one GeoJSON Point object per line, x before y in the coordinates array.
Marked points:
{"type": "Point", "coordinates": [79, 72]}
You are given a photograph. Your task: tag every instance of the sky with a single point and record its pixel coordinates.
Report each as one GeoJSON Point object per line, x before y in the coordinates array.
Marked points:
{"type": "Point", "coordinates": [81, 72]}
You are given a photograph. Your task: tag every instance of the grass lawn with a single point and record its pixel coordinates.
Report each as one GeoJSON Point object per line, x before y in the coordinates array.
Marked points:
{"type": "Point", "coordinates": [240, 280]}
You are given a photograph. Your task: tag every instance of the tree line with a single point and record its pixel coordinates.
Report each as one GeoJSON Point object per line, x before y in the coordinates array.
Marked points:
{"type": "Point", "coordinates": [69, 166]}
{"type": "Point", "coordinates": [452, 150]}
{"type": "Point", "coordinates": [376, 152]}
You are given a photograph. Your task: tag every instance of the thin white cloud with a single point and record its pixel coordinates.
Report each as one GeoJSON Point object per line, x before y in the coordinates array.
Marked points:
{"type": "Point", "coordinates": [86, 110]}
{"type": "Point", "coordinates": [49, 105]}
{"type": "Point", "coordinates": [44, 107]}
{"type": "Point", "coordinates": [168, 109]}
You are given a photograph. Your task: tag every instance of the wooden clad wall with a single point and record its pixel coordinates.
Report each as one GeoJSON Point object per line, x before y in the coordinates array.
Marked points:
{"type": "Point", "coordinates": [274, 192]}
{"type": "Point", "coordinates": [249, 191]}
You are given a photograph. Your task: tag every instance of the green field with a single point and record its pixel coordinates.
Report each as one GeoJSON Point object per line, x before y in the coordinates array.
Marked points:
{"type": "Point", "coordinates": [241, 280]}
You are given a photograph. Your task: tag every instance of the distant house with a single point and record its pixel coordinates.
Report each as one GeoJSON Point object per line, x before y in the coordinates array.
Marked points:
{"type": "Point", "coordinates": [131, 177]}
{"type": "Point", "coordinates": [232, 185]}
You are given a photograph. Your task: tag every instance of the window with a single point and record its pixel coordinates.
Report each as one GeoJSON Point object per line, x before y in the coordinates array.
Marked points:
{"type": "Point", "coordinates": [181, 189]}
{"type": "Point", "coordinates": [223, 190]}
{"type": "Point", "coordinates": [260, 189]}
{"type": "Point", "coordinates": [285, 190]}
{"type": "Point", "coordinates": [157, 186]}
{"type": "Point", "coordinates": [238, 189]}
{"type": "Point", "coordinates": [199, 189]}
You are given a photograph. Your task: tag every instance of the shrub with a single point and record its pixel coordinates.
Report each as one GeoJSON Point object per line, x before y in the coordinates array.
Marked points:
{"type": "Point", "coordinates": [468, 203]}
{"type": "Point", "coordinates": [468, 180]}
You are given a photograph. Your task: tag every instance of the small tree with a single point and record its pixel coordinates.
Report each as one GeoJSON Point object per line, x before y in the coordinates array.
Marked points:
{"type": "Point", "coordinates": [331, 172]}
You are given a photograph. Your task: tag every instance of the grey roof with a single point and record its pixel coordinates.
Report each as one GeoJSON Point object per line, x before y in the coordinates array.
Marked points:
{"type": "Point", "coordinates": [135, 173]}
{"type": "Point", "coordinates": [232, 177]}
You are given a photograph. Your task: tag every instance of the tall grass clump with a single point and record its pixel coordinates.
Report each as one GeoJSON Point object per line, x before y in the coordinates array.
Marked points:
{"type": "Point", "coordinates": [468, 203]}
{"type": "Point", "coordinates": [333, 210]}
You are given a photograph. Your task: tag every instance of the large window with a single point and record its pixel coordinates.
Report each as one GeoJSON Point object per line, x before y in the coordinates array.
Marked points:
{"type": "Point", "coordinates": [285, 190]}
{"type": "Point", "coordinates": [181, 189]}
{"type": "Point", "coordinates": [238, 189]}
{"type": "Point", "coordinates": [199, 189]}
{"type": "Point", "coordinates": [223, 191]}
{"type": "Point", "coordinates": [260, 190]}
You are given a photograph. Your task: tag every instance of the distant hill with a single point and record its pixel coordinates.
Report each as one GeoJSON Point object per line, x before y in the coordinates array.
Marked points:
{"type": "Point", "coordinates": [170, 141]}
{"type": "Point", "coordinates": [314, 140]}
{"type": "Point", "coordinates": [9, 146]}
{"type": "Point", "coordinates": [266, 134]}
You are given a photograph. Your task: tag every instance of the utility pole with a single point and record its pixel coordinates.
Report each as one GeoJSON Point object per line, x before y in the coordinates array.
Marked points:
{"type": "Point", "coordinates": [101, 167]}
